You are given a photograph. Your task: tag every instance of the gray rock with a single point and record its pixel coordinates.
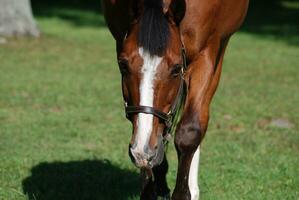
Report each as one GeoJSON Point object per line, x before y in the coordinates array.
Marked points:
{"type": "Point", "coordinates": [281, 123]}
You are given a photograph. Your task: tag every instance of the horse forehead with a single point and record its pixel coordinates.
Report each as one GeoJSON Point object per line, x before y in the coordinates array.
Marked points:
{"type": "Point", "coordinates": [150, 62]}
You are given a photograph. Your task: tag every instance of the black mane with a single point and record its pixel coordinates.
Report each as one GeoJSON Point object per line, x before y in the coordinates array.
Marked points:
{"type": "Point", "coordinates": [153, 31]}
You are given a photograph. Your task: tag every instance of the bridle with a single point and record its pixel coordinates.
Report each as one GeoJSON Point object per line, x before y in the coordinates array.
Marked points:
{"type": "Point", "coordinates": [170, 118]}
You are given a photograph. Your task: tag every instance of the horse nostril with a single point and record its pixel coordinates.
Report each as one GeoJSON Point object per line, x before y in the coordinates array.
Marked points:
{"type": "Point", "coordinates": [132, 153]}
{"type": "Point", "coordinates": [152, 154]}
{"type": "Point", "coordinates": [132, 146]}
{"type": "Point", "coordinates": [151, 157]}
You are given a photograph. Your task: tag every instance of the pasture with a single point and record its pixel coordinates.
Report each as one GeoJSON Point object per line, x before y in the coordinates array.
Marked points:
{"type": "Point", "coordinates": [64, 136]}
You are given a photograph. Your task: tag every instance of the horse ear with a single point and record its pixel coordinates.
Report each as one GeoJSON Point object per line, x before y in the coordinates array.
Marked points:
{"type": "Point", "coordinates": [176, 10]}
{"type": "Point", "coordinates": [135, 9]}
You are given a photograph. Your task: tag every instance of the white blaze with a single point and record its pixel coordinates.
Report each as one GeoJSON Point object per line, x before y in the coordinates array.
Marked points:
{"type": "Point", "coordinates": [193, 175]}
{"type": "Point", "coordinates": [146, 91]}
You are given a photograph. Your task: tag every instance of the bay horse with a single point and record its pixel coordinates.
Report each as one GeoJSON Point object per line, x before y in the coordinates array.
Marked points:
{"type": "Point", "coordinates": [170, 55]}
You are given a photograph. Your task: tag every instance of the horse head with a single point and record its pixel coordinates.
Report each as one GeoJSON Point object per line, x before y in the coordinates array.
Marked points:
{"type": "Point", "coordinates": [152, 63]}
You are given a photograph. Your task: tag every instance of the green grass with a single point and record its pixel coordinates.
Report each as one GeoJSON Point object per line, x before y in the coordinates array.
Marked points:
{"type": "Point", "coordinates": [63, 134]}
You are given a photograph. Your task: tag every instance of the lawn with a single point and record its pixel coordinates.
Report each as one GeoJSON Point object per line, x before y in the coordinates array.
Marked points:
{"type": "Point", "coordinates": [64, 136]}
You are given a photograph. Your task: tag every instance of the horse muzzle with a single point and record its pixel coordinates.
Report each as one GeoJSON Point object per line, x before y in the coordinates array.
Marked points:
{"type": "Point", "coordinates": [147, 158]}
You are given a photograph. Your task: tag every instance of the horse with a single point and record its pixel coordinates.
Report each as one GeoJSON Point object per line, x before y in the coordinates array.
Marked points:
{"type": "Point", "coordinates": [170, 55]}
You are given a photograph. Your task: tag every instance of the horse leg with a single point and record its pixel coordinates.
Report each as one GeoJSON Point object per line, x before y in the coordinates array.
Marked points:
{"type": "Point", "coordinates": [160, 172]}
{"type": "Point", "coordinates": [203, 79]}
{"type": "Point", "coordinates": [187, 142]}
{"type": "Point", "coordinates": [154, 185]}
{"type": "Point", "coordinates": [147, 185]}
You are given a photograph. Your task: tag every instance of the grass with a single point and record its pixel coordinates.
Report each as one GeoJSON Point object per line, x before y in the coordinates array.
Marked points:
{"type": "Point", "coordinates": [63, 134]}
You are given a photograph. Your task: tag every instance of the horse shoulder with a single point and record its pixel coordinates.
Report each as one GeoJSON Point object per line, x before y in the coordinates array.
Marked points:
{"type": "Point", "coordinates": [206, 21]}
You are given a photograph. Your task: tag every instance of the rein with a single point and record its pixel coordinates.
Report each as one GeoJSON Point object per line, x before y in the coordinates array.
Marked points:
{"type": "Point", "coordinates": [170, 118]}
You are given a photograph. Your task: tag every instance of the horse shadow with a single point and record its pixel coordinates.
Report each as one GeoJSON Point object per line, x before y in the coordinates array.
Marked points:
{"type": "Point", "coordinates": [80, 180]}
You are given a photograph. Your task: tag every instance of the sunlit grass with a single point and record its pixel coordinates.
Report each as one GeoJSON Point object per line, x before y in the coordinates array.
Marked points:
{"type": "Point", "coordinates": [61, 105]}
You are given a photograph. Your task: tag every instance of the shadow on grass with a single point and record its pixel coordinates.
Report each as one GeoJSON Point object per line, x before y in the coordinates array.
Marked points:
{"type": "Point", "coordinates": [80, 180]}
{"type": "Point", "coordinates": [275, 19]}
{"type": "Point", "coordinates": [76, 12]}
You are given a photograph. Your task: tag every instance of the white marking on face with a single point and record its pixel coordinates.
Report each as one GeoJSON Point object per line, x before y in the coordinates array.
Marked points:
{"type": "Point", "coordinates": [146, 92]}
{"type": "Point", "coordinates": [193, 175]}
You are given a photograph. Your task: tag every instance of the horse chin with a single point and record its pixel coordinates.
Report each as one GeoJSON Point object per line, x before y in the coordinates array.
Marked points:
{"type": "Point", "coordinates": [159, 156]}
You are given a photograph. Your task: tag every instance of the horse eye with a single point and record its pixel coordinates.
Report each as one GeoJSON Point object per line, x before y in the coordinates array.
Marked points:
{"type": "Point", "coordinates": [176, 69]}
{"type": "Point", "coordinates": [123, 66]}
